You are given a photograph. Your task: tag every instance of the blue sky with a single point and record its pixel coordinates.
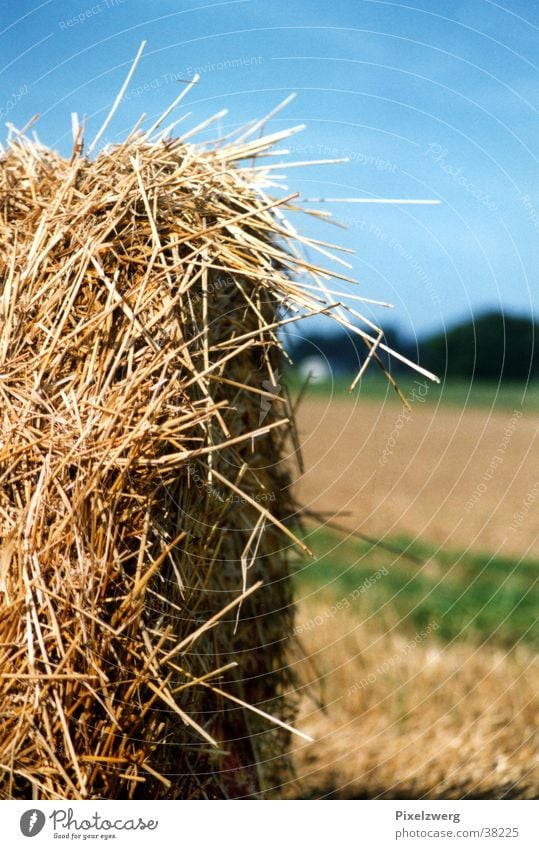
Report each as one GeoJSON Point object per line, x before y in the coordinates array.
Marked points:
{"type": "Point", "coordinates": [427, 99]}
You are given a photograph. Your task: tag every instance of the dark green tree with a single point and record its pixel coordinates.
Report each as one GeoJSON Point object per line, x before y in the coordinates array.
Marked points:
{"type": "Point", "coordinates": [493, 346]}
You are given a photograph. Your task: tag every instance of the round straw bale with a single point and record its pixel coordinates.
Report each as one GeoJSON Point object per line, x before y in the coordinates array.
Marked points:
{"type": "Point", "coordinates": [144, 481]}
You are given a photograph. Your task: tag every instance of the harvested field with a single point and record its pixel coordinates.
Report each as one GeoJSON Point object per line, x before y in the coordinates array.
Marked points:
{"type": "Point", "coordinates": [398, 710]}
{"type": "Point", "coordinates": [407, 717]}
{"type": "Point", "coordinates": [453, 477]}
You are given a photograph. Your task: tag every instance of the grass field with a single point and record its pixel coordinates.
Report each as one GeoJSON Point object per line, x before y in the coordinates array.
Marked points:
{"type": "Point", "coordinates": [472, 596]}
{"type": "Point", "coordinates": [455, 393]}
{"type": "Point", "coordinates": [419, 635]}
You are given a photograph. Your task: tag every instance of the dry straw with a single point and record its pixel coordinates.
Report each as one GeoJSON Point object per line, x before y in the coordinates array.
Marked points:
{"type": "Point", "coordinates": [141, 502]}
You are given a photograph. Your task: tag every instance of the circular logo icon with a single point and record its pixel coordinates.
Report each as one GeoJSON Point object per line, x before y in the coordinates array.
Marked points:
{"type": "Point", "coordinates": [32, 822]}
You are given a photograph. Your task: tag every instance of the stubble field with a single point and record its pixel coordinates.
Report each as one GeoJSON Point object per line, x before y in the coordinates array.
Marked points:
{"type": "Point", "coordinates": [452, 476]}
{"type": "Point", "coordinates": [420, 677]}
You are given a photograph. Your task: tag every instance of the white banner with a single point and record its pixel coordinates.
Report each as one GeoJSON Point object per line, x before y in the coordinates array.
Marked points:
{"type": "Point", "coordinates": [259, 825]}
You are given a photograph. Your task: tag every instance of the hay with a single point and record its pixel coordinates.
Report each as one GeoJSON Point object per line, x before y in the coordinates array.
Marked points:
{"type": "Point", "coordinates": [144, 493]}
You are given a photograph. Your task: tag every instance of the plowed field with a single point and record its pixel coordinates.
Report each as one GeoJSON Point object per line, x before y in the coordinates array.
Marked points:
{"type": "Point", "coordinates": [458, 478]}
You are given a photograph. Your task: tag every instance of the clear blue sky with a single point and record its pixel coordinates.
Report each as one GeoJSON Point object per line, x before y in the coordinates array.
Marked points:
{"type": "Point", "coordinates": [427, 98]}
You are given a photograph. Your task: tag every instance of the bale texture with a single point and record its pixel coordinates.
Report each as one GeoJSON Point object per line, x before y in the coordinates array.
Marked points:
{"type": "Point", "coordinates": [144, 485]}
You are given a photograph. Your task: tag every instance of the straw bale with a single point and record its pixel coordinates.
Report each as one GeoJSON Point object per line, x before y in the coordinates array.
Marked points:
{"type": "Point", "coordinates": [146, 518]}
{"type": "Point", "coordinates": [144, 490]}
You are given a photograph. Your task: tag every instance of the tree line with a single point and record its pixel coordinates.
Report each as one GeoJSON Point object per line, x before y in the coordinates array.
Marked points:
{"type": "Point", "coordinates": [489, 347]}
